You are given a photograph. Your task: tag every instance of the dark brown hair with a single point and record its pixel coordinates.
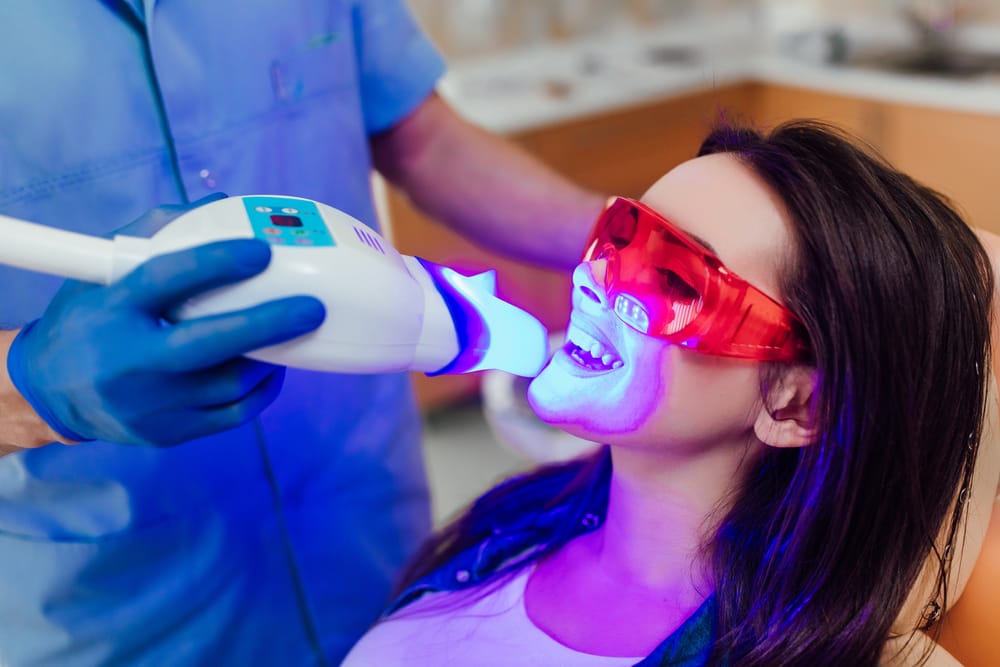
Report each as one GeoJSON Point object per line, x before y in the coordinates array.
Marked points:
{"type": "Point", "coordinates": [824, 544]}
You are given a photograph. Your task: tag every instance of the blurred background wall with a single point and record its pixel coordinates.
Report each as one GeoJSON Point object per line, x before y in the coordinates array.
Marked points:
{"type": "Point", "coordinates": [464, 28]}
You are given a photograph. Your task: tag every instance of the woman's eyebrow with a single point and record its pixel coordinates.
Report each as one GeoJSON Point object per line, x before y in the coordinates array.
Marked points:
{"type": "Point", "coordinates": [702, 242]}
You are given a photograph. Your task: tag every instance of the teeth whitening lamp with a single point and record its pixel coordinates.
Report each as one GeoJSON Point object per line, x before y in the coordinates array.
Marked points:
{"type": "Point", "coordinates": [386, 312]}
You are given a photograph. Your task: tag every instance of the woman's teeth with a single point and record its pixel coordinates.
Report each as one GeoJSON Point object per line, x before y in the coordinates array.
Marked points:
{"type": "Point", "coordinates": [591, 353]}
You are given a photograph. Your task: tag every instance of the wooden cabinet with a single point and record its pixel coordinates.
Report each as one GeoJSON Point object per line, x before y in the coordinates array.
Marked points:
{"type": "Point", "coordinates": [954, 152]}
{"type": "Point", "coordinates": [771, 105]}
{"type": "Point", "coordinates": [624, 152]}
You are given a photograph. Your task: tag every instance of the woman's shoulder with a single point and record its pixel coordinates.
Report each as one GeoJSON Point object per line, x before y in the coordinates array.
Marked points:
{"type": "Point", "coordinates": [511, 525]}
{"type": "Point", "coordinates": [506, 549]}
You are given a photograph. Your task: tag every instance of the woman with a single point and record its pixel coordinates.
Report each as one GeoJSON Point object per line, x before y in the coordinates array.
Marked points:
{"type": "Point", "coordinates": [785, 347]}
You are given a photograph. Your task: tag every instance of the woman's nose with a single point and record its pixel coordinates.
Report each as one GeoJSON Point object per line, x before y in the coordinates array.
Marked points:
{"type": "Point", "coordinates": [588, 281]}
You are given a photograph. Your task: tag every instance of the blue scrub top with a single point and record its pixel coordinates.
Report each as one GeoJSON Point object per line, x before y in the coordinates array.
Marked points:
{"type": "Point", "coordinates": [275, 543]}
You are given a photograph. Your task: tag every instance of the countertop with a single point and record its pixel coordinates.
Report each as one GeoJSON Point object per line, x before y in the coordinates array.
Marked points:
{"type": "Point", "coordinates": [553, 83]}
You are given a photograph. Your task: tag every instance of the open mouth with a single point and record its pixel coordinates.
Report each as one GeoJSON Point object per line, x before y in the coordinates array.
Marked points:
{"type": "Point", "coordinates": [590, 352]}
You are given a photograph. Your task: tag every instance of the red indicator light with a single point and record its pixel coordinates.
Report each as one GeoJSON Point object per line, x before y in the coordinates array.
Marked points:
{"type": "Point", "coordinates": [286, 220]}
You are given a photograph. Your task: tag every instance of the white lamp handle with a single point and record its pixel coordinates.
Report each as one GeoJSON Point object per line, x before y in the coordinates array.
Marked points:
{"type": "Point", "coordinates": [29, 245]}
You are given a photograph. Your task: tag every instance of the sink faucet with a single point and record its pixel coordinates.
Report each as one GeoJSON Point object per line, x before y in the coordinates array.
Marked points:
{"type": "Point", "coordinates": [934, 22]}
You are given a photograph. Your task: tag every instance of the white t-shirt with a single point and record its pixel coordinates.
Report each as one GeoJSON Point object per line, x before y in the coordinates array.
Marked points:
{"type": "Point", "coordinates": [453, 629]}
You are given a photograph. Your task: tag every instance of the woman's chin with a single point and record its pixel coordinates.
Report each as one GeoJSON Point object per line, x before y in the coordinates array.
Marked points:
{"type": "Point", "coordinates": [541, 400]}
{"type": "Point", "coordinates": [555, 402]}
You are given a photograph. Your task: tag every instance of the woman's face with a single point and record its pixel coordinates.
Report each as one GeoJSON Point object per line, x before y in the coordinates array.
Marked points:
{"type": "Point", "coordinates": [654, 391]}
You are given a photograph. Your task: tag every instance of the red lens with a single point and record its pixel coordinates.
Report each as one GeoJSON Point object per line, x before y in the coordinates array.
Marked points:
{"type": "Point", "coordinates": [659, 271]}
{"type": "Point", "coordinates": [664, 284]}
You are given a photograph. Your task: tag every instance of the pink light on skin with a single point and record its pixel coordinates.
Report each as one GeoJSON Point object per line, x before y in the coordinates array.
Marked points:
{"type": "Point", "coordinates": [589, 403]}
{"type": "Point", "coordinates": [659, 393]}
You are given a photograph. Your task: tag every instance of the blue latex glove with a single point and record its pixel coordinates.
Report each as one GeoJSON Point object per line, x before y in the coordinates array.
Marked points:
{"type": "Point", "coordinates": [103, 363]}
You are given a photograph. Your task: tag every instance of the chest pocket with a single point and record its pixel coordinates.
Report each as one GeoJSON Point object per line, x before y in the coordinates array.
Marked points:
{"type": "Point", "coordinates": [315, 56]}
{"type": "Point", "coordinates": [320, 64]}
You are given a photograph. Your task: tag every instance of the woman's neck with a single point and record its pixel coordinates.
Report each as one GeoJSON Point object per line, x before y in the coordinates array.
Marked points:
{"type": "Point", "coordinates": [622, 589]}
{"type": "Point", "coordinates": [661, 513]}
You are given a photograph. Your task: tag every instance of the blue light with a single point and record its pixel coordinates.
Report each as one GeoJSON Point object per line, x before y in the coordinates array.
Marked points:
{"type": "Point", "coordinates": [492, 333]}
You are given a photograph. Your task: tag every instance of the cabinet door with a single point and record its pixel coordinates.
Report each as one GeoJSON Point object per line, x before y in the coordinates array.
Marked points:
{"type": "Point", "coordinates": [956, 153]}
{"type": "Point", "coordinates": [615, 153]}
{"type": "Point", "coordinates": [624, 152]}
{"type": "Point", "coordinates": [867, 119]}
{"type": "Point", "coordinates": [953, 152]}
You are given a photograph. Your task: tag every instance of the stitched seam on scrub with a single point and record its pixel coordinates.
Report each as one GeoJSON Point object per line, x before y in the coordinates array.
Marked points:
{"type": "Point", "coordinates": [80, 174]}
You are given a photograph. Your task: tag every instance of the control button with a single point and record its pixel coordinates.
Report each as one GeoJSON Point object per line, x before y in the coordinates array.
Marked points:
{"type": "Point", "coordinates": [300, 232]}
{"type": "Point", "coordinates": [272, 230]}
{"type": "Point", "coordinates": [263, 209]}
{"type": "Point", "coordinates": [289, 210]}
{"type": "Point", "coordinates": [303, 241]}
{"type": "Point", "coordinates": [275, 240]}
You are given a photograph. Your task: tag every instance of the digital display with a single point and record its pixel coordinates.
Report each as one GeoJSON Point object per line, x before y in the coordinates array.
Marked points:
{"type": "Point", "coordinates": [286, 221]}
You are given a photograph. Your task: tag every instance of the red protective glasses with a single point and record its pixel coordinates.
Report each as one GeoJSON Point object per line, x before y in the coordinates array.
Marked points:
{"type": "Point", "coordinates": [663, 284]}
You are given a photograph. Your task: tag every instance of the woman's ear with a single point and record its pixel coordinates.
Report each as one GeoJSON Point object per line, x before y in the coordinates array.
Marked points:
{"type": "Point", "coordinates": [786, 419]}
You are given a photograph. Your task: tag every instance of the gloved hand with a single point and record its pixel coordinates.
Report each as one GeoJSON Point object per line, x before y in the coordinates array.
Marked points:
{"type": "Point", "coordinates": [103, 363]}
